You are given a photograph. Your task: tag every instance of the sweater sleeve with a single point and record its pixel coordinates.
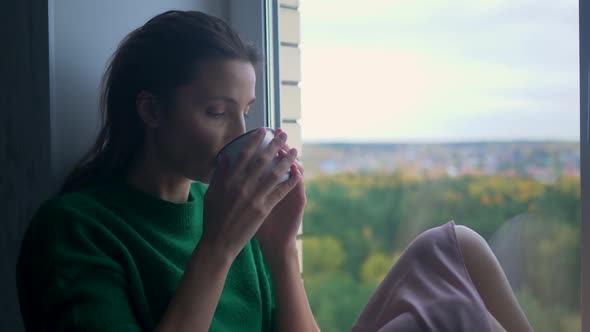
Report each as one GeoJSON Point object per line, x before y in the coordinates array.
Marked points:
{"type": "Point", "coordinates": [92, 301]}
{"type": "Point", "coordinates": [68, 278]}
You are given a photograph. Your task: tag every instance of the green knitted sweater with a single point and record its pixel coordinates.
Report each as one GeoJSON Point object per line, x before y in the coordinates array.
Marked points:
{"type": "Point", "coordinates": [109, 258]}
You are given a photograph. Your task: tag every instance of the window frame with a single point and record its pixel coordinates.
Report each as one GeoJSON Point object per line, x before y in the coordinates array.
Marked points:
{"type": "Point", "coordinates": [584, 37]}
{"type": "Point", "coordinates": [257, 21]}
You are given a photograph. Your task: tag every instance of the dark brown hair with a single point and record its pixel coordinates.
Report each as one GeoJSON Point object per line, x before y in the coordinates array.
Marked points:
{"type": "Point", "coordinates": [158, 57]}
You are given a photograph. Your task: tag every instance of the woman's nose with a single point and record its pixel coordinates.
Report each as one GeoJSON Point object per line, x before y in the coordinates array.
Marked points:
{"type": "Point", "coordinates": [238, 128]}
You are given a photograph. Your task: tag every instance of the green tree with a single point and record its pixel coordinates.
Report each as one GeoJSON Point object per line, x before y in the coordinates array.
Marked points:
{"type": "Point", "coordinates": [322, 255]}
{"type": "Point", "coordinates": [336, 300]}
{"type": "Point", "coordinates": [376, 266]}
{"type": "Point", "coordinates": [352, 220]}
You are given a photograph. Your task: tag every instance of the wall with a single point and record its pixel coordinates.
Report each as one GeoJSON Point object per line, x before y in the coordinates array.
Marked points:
{"type": "Point", "coordinates": [86, 34]}
{"type": "Point", "coordinates": [24, 136]}
{"type": "Point", "coordinates": [290, 75]}
{"type": "Point", "coordinates": [51, 67]}
{"type": "Point", "coordinates": [290, 70]}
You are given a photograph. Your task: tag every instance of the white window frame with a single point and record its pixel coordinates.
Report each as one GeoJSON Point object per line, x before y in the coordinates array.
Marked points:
{"type": "Point", "coordinates": [584, 19]}
{"type": "Point", "coordinates": [258, 21]}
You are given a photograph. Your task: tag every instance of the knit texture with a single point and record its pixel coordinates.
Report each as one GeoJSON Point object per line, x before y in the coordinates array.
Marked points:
{"type": "Point", "coordinates": [109, 258]}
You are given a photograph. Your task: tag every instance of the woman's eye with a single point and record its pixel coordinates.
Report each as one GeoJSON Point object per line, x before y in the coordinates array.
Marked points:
{"type": "Point", "coordinates": [215, 114]}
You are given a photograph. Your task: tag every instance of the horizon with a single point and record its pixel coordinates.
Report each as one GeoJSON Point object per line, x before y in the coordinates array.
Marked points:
{"type": "Point", "coordinates": [426, 142]}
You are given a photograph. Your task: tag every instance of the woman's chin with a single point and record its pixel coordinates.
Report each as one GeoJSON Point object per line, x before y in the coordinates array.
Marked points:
{"type": "Point", "coordinates": [202, 179]}
{"type": "Point", "coordinates": [204, 174]}
{"type": "Point", "coordinates": [205, 178]}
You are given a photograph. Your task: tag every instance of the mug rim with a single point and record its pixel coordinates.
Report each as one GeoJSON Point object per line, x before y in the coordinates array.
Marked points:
{"type": "Point", "coordinates": [239, 137]}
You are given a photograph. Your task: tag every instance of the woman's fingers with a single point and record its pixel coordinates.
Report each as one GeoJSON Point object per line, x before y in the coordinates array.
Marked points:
{"type": "Point", "coordinates": [260, 162]}
{"type": "Point", "coordinates": [299, 166]}
{"type": "Point", "coordinates": [284, 188]}
{"type": "Point", "coordinates": [285, 146]}
{"type": "Point", "coordinates": [279, 171]}
{"type": "Point", "coordinates": [297, 162]}
{"type": "Point", "coordinates": [252, 164]}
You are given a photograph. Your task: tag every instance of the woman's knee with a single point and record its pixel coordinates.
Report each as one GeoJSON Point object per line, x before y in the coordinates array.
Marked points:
{"type": "Point", "coordinates": [473, 246]}
{"type": "Point", "coordinates": [427, 245]}
{"type": "Point", "coordinates": [480, 261]}
{"type": "Point", "coordinates": [471, 242]}
{"type": "Point", "coordinates": [490, 280]}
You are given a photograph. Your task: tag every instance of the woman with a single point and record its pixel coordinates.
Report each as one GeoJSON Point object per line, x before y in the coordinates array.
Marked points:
{"type": "Point", "coordinates": [137, 241]}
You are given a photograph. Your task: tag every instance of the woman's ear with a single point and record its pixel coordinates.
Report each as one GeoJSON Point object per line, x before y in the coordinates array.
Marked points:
{"type": "Point", "coordinates": [148, 108]}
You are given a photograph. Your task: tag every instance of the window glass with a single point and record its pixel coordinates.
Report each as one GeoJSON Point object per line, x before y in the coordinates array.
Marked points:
{"type": "Point", "coordinates": [418, 112]}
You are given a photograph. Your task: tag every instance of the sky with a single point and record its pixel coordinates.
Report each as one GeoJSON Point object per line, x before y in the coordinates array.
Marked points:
{"type": "Point", "coordinates": [439, 71]}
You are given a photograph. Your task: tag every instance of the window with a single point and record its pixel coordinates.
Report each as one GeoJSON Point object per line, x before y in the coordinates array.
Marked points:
{"type": "Point", "coordinates": [274, 27]}
{"type": "Point", "coordinates": [415, 113]}
{"type": "Point", "coordinates": [585, 149]}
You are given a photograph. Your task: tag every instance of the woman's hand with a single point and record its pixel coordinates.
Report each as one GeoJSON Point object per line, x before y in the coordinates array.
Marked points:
{"type": "Point", "coordinates": [278, 232]}
{"type": "Point", "coordinates": [240, 197]}
{"type": "Point", "coordinates": [277, 241]}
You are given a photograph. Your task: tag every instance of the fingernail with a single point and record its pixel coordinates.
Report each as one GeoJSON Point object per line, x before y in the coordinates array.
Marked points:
{"type": "Point", "coordinates": [283, 136]}
{"type": "Point", "coordinates": [293, 152]}
{"type": "Point", "coordinates": [261, 131]}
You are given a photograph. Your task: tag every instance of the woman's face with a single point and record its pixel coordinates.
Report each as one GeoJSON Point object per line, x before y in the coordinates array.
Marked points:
{"type": "Point", "coordinates": [207, 114]}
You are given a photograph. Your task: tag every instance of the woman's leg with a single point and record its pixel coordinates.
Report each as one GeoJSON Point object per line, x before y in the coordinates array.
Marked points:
{"type": "Point", "coordinates": [495, 324]}
{"type": "Point", "coordinates": [490, 281]}
{"type": "Point", "coordinates": [427, 289]}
